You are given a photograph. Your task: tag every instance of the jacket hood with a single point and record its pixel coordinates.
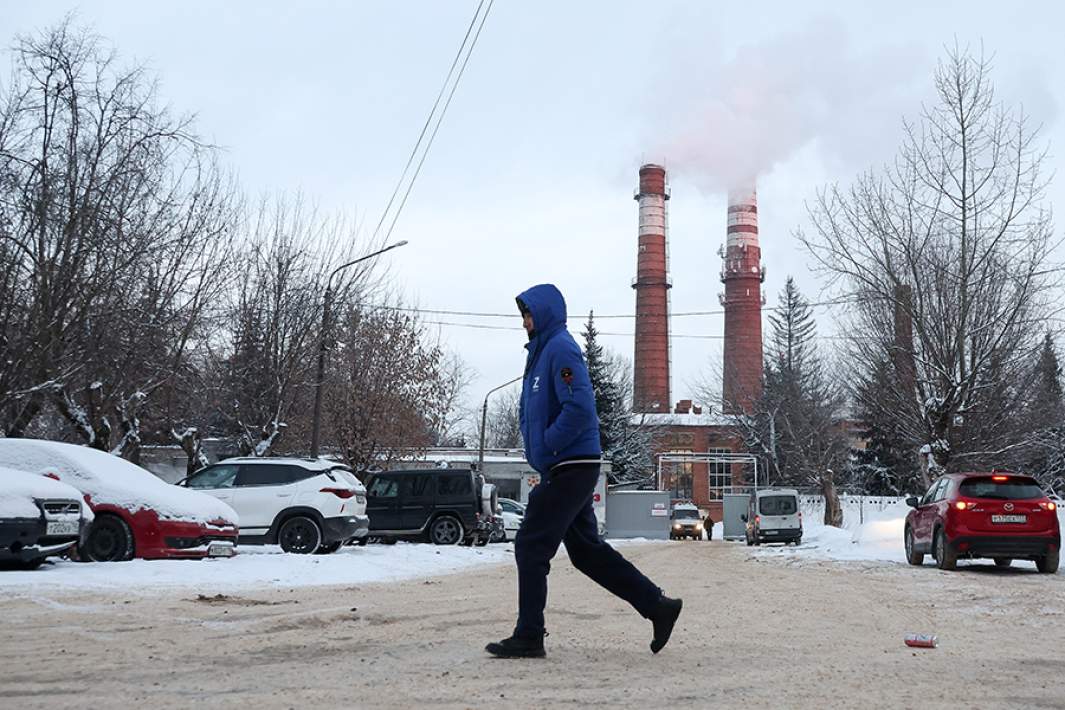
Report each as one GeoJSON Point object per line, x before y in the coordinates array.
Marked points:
{"type": "Point", "coordinates": [547, 306]}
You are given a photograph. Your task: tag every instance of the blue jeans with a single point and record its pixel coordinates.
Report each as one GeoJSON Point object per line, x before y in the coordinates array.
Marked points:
{"type": "Point", "coordinates": [560, 511]}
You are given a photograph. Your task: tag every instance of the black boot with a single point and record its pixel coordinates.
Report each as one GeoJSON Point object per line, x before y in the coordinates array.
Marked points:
{"type": "Point", "coordinates": [518, 647]}
{"type": "Point", "coordinates": [664, 617]}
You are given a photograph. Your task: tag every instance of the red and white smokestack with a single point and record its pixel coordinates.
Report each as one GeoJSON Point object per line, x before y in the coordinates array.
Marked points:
{"type": "Point", "coordinates": [742, 274]}
{"type": "Point", "coordinates": [651, 361]}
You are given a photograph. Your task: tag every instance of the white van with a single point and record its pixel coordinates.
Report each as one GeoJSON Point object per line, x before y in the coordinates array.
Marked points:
{"type": "Point", "coordinates": [773, 516]}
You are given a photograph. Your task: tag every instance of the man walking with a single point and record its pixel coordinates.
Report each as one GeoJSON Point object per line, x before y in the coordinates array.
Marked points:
{"type": "Point", "coordinates": [560, 428]}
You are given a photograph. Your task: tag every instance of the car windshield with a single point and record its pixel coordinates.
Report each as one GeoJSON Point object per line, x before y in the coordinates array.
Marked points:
{"type": "Point", "coordinates": [778, 505]}
{"type": "Point", "coordinates": [685, 513]}
{"type": "Point", "coordinates": [1000, 488]}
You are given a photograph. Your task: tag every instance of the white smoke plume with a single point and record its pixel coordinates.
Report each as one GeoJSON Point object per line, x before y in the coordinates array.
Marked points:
{"type": "Point", "coordinates": [751, 111]}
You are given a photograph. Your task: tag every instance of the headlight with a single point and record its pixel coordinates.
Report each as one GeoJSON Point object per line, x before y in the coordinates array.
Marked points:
{"type": "Point", "coordinates": [676, 526]}
{"type": "Point", "coordinates": [698, 526]}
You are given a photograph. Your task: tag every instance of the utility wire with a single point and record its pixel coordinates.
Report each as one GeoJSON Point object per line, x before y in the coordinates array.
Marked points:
{"type": "Point", "coordinates": [429, 120]}
{"type": "Point", "coordinates": [482, 326]}
{"type": "Point", "coordinates": [443, 111]}
{"type": "Point", "coordinates": [482, 314]}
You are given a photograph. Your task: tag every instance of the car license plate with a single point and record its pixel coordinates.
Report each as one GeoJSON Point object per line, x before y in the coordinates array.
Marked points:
{"type": "Point", "coordinates": [221, 549]}
{"type": "Point", "coordinates": [62, 528]}
{"type": "Point", "coordinates": [1009, 518]}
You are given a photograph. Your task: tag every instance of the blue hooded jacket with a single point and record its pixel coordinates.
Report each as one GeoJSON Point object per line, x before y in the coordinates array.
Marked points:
{"type": "Point", "coordinates": [558, 417]}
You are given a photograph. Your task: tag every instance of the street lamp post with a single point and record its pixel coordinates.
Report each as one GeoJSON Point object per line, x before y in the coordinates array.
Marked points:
{"type": "Point", "coordinates": [323, 343]}
{"type": "Point", "coordinates": [484, 421]}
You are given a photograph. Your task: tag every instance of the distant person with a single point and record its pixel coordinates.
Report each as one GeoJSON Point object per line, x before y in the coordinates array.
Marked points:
{"type": "Point", "coordinates": [708, 526]}
{"type": "Point", "coordinates": [561, 432]}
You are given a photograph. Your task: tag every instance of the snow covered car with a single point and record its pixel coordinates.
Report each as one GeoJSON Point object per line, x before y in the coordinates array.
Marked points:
{"type": "Point", "coordinates": [303, 505]}
{"type": "Point", "coordinates": [39, 517]}
{"type": "Point", "coordinates": [686, 522]}
{"type": "Point", "coordinates": [136, 513]}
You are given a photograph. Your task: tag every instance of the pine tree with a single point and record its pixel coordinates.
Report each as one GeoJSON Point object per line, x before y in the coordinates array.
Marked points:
{"type": "Point", "coordinates": [793, 331]}
{"type": "Point", "coordinates": [796, 419]}
{"type": "Point", "coordinates": [1045, 457]}
{"type": "Point", "coordinates": [603, 384]}
{"type": "Point", "coordinates": [1046, 403]}
{"type": "Point", "coordinates": [629, 447]}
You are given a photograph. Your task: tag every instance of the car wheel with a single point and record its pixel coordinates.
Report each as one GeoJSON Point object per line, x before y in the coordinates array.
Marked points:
{"type": "Point", "coordinates": [31, 564]}
{"type": "Point", "coordinates": [446, 530]}
{"type": "Point", "coordinates": [299, 535]}
{"type": "Point", "coordinates": [946, 559]}
{"type": "Point", "coordinates": [914, 558]}
{"type": "Point", "coordinates": [328, 549]}
{"type": "Point", "coordinates": [109, 540]}
{"type": "Point", "coordinates": [1003, 561]}
{"type": "Point", "coordinates": [1048, 564]}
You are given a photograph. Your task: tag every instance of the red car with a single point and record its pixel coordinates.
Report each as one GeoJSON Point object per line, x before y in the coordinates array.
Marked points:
{"type": "Point", "coordinates": [137, 514]}
{"type": "Point", "coordinates": [1002, 516]}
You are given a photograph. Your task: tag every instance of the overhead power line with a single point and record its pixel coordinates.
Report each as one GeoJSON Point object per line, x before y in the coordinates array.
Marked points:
{"type": "Point", "coordinates": [482, 326]}
{"type": "Point", "coordinates": [463, 54]}
{"type": "Point", "coordinates": [484, 314]}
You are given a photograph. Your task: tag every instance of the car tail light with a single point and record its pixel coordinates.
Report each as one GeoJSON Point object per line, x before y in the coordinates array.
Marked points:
{"type": "Point", "coordinates": [1048, 505]}
{"type": "Point", "coordinates": [339, 492]}
{"type": "Point", "coordinates": [757, 519]}
{"type": "Point", "coordinates": [965, 505]}
{"type": "Point", "coordinates": [1000, 478]}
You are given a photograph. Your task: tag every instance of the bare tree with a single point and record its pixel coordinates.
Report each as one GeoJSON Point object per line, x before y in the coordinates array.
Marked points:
{"type": "Point", "coordinates": [265, 356]}
{"type": "Point", "coordinates": [956, 221]}
{"type": "Point", "coordinates": [388, 389]}
{"type": "Point", "coordinates": [503, 429]}
{"type": "Point", "coordinates": [112, 216]}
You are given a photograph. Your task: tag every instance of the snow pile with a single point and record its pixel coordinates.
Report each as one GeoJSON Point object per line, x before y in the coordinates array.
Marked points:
{"type": "Point", "coordinates": [265, 567]}
{"type": "Point", "coordinates": [108, 479]}
{"type": "Point", "coordinates": [19, 489]}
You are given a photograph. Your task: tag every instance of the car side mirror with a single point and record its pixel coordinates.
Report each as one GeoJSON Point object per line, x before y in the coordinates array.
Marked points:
{"type": "Point", "coordinates": [743, 517]}
{"type": "Point", "coordinates": [912, 501]}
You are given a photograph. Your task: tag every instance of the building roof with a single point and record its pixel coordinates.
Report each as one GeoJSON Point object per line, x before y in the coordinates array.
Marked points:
{"type": "Point", "coordinates": [706, 419]}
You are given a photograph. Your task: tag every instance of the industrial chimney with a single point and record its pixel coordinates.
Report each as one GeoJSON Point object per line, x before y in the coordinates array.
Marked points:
{"type": "Point", "coordinates": [742, 274]}
{"type": "Point", "coordinates": [651, 361]}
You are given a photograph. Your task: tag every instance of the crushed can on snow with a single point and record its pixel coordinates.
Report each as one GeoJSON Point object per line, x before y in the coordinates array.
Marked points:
{"type": "Point", "coordinates": [922, 640]}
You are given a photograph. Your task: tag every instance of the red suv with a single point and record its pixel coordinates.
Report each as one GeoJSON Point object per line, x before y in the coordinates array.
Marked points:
{"type": "Point", "coordinates": [1004, 516]}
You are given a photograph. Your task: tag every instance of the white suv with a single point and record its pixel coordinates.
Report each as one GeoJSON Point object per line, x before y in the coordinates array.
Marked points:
{"type": "Point", "coordinates": [304, 505]}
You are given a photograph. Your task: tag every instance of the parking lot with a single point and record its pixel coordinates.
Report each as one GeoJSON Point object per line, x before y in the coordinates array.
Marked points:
{"type": "Point", "coordinates": [767, 630]}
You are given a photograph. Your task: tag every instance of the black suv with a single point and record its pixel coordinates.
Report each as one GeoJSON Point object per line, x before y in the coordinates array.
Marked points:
{"type": "Point", "coordinates": [444, 505]}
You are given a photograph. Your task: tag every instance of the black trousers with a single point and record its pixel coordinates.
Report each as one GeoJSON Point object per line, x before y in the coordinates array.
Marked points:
{"type": "Point", "coordinates": [560, 511]}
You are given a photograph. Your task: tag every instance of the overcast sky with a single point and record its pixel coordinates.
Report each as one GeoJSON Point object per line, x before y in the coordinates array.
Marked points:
{"type": "Point", "coordinates": [532, 174]}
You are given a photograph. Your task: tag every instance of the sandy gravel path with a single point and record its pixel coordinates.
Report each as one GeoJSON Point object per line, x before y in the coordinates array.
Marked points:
{"type": "Point", "coordinates": [758, 631]}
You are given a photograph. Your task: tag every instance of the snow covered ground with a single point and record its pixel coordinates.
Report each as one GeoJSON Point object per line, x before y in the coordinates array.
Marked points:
{"type": "Point", "coordinates": [264, 567]}
{"type": "Point", "coordinates": [872, 530]}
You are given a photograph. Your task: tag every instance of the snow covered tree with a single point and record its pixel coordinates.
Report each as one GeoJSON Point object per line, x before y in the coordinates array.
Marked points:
{"type": "Point", "coordinates": [886, 466]}
{"type": "Point", "coordinates": [114, 218]}
{"type": "Point", "coordinates": [957, 224]}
